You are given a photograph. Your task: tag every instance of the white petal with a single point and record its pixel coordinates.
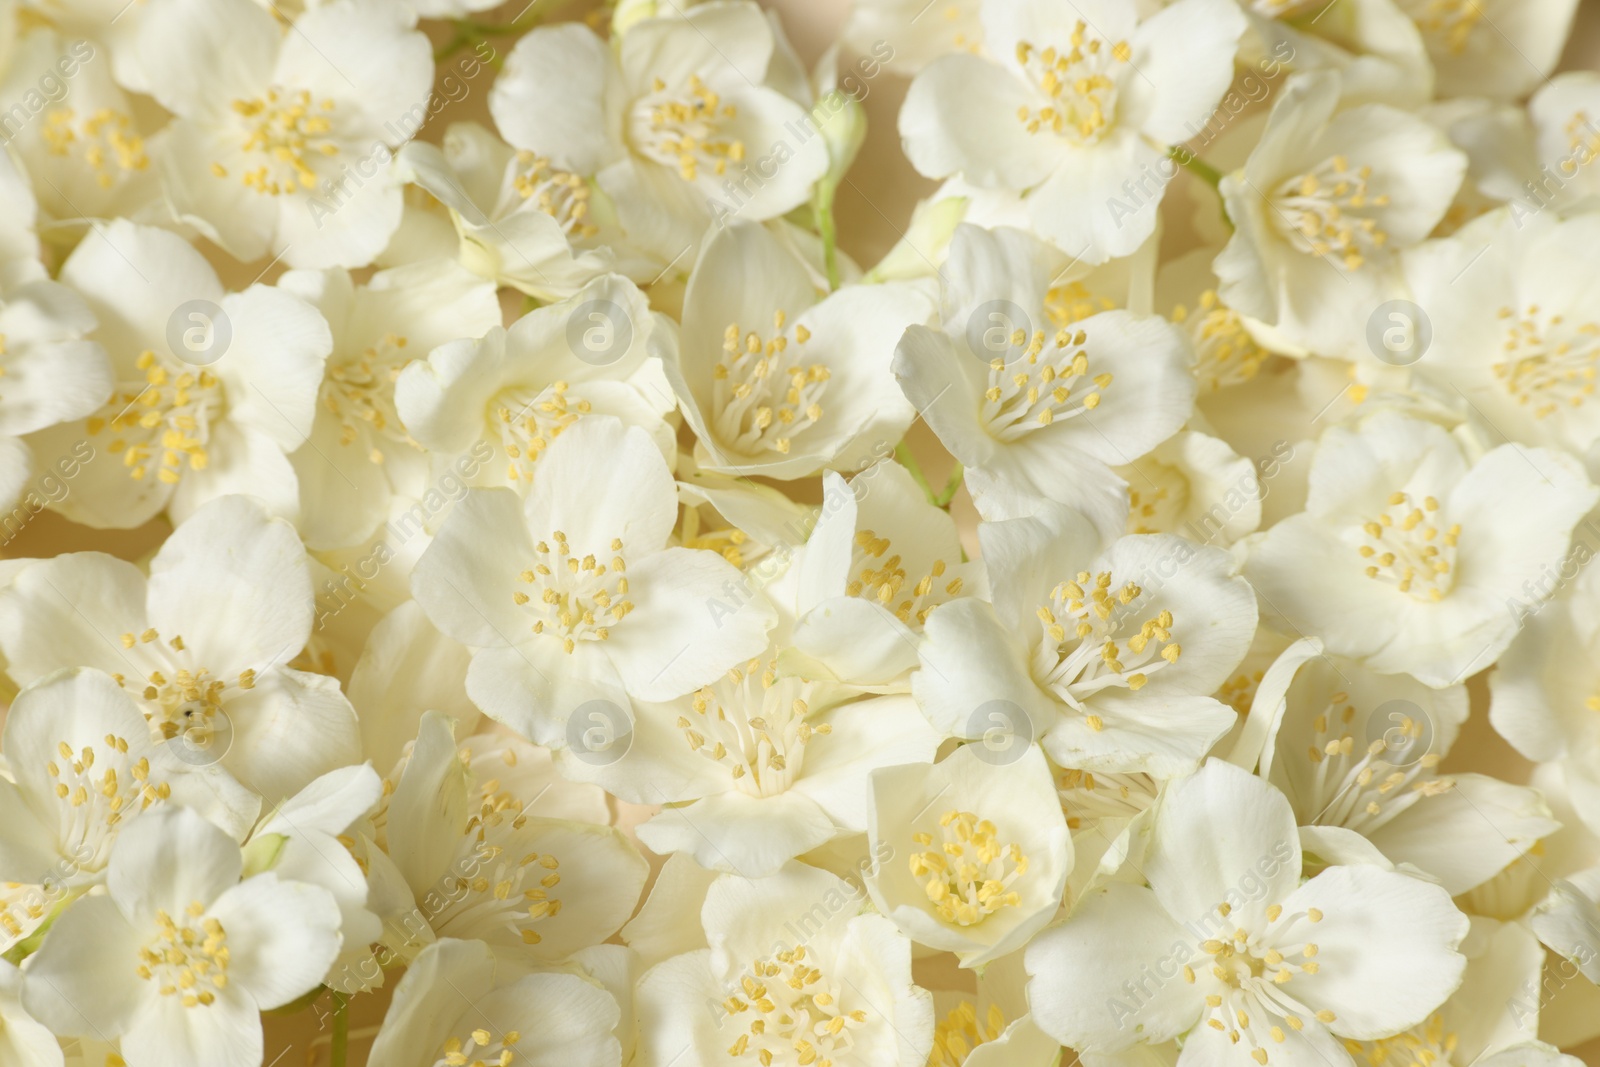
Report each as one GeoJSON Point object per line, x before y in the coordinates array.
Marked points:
{"type": "Point", "coordinates": [233, 583]}
{"type": "Point", "coordinates": [960, 116]}
{"type": "Point", "coordinates": [1387, 953]}
{"type": "Point", "coordinates": [282, 937]}
{"type": "Point", "coordinates": [1078, 970]}
{"type": "Point", "coordinates": [1223, 837]}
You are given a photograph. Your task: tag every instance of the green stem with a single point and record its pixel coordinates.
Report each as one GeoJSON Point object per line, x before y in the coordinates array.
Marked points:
{"type": "Point", "coordinates": [340, 1049]}
{"type": "Point", "coordinates": [951, 486]}
{"type": "Point", "coordinates": [830, 237]}
{"type": "Point", "coordinates": [902, 452]}
{"type": "Point", "coordinates": [1195, 165]}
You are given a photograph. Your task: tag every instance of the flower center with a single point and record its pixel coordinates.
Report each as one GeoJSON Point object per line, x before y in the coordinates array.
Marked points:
{"type": "Point", "coordinates": [187, 961]}
{"type": "Point", "coordinates": [726, 541]}
{"type": "Point", "coordinates": [360, 394]}
{"type": "Point", "coordinates": [106, 138]}
{"type": "Point", "coordinates": [1093, 640]}
{"type": "Point", "coordinates": [1249, 975]}
{"type": "Point", "coordinates": [480, 1048]}
{"type": "Point", "coordinates": [1038, 390]}
{"type": "Point", "coordinates": [1321, 212]}
{"type": "Point", "coordinates": [1081, 85]}
{"type": "Point", "coordinates": [1239, 692]}
{"type": "Point", "coordinates": [1070, 303]}
{"type": "Point", "coordinates": [754, 724]}
{"type": "Point", "coordinates": [23, 909]}
{"type": "Point", "coordinates": [1421, 1046]}
{"type": "Point", "coordinates": [794, 1014]}
{"type": "Point", "coordinates": [1448, 22]}
{"type": "Point", "coordinates": [527, 421]}
{"type": "Point", "coordinates": [562, 195]}
{"type": "Point", "coordinates": [1583, 138]}
{"type": "Point", "coordinates": [683, 128]}
{"type": "Point", "coordinates": [1087, 798]}
{"type": "Point", "coordinates": [509, 891]}
{"type": "Point", "coordinates": [166, 416]}
{"type": "Point", "coordinates": [92, 803]}
{"type": "Point", "coordinates": [575, 599]}
{"type": "Point", "coordinates": [884, 580]}
{"type": "Point", "coordinates": [188, 702]}
{"type": "Point", "coordinates": [1364, 792]}
{"type": "Point", "coordinates": [1225, 353]}
{"type": "Point", "coordinates": [283, 132]}
{"type": "Point", "coordinates": [1549, 362]}
{"type": "Point", "coordinates": [764, 393]}
{"type": "Point", "coordinates": [1406, 549]}
{"type": "Point", "coordinates": [1156, 506]}
{"type": "Point", "coordinates": [970, 874]}
{"type": "Point", "coordinates": [958, 1033]}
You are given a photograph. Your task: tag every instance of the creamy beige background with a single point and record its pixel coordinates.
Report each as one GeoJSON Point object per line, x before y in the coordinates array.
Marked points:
{"type": "Point", "coordinates": [872, 207]}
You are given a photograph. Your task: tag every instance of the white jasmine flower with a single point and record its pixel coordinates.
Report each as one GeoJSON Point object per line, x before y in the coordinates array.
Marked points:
{"type": "Point", "coordinates": [202, 645]}
{"type": "Point", "coordinates": [84, 767]}
{"type": "Point", "coordinates": [283, 140]}
{"type": "Point", "coordinates": [1027, 386]}
{"type": "Point", "coordinates": [408, 667]}
{"type": "Point", "coordinates": [1225, 350]}
{"type": "Point", "coordinates": [753, 526]}
{"type": "Point", "coordinates": [1519, 333]}
{"type": "Point", "coordinates": [520, 221]}
{"type": "Point", "coordinates": [1566, 118]}
{"type": "Point", "coordinates": [798, 975]}
{"type": "Point", "coordinates": [1252, 965]}
{"type": "Point", "coordinates": [676, 124]}
{"type": "Point", "coordinates": [774, 766]}
{"type": "Point", "coordinates": [1411, 558]}
{"type": "Point", "coordinates": [358, 454]}
{"type": "Point", "coordinates": [977, 852]}
{"type": "Point", "coordinates": [1322, 206]}
{"type": "Point", "coordinates": [453, 1002]}
{"type": "Point", "coordinates": [1195, 485]}
{"type": "Point", "coordinates": [302, 840]}
{"type": "Point", "coordinates": [879, 560]}
{"type": "Point", "coordinates": [1545, 691]}
{"type": "Point", "coordinates": [574, 594]}
{"type": "Point", "coordinates": [508, 395]}
{"type": "Point", "coordinates": [180, 958]}
{"type": "Point", "coordinates": [1502, 49]}
{"type": "Point", "coordinates": [906, 35]}
{"type": "Point", "coordinates": [217, 413]}
{"type": "Point", "coordinates": [86, 150]}
{"type": "Point", "coordinates": [1071, 103]}
{"type": "Point", "coordinates": [1109, 815]}
{"type": "Point", "coordinates": [1375, 48]}
{"type": "Point", "coordinates": [1488, 1019]}
{"type": "Point", "coordinates": [52, 373]}
{"type": "Point", "coordinates": [23, 1040]}
{"type": "Point", "coordinates": [1107, 655]}
{"type": "Point", "coordinates": [777, 379]}
{"type": "Point", "coordinates": [477, 859]}
{"type": "Point", "coordinates": [1357, 754]}
{"type": "Point", "coordinates": [993, 1028]}
{"type": "Point", "coordinates": [1567, 919]}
